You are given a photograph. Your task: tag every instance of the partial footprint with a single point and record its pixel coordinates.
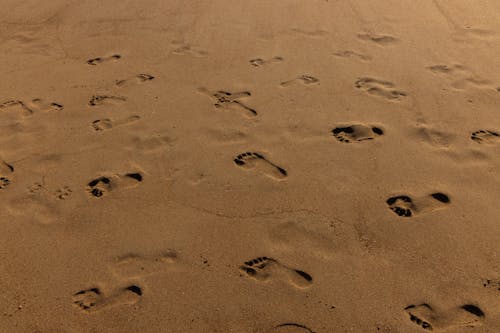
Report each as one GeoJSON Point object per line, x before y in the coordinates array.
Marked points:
{"type": "Point", "coordinates": [101, 185]}
{"type": "Point", "coordinates": [382, 40]}
{"type": "Point", "coordinates": [379, 88]}
{"type": "Point", "coordinates": [182, 48]}
{"type": "Point", "coordinates": [356, 133]}
{"type": "Point", "coordinates": [93, 299]}
{"type": "Point", "coordinates": [291, 328]}
{"type": "Point", "coordinates": [258, 162]}
{"type": "Point", "coordinates": [264, 268]}
{"type": "Point", "coordinates": [139, 78]}
{"type": "Point", "coordinates": [227, 100]}
{"type": "Point", "coordinates": [137, 266]}
{"type": "Point", "coordinates": [352, 54]}
{"type": "Point", "coordinates": [33, 106]}
{"type": "Point", "coordinates": [461, 76]}
{"type": "Point", "coordinates": [100, 60]}
{"type": "Point", "coordinates": [5, 174]}
{"type": "Point", "coordinates": [106, 123]}
{"type": "Point", "coordinates": [405, 206]}
{"type": "Point", "coordinates": [305, 79]}
{"type": "Point", "coordinates": [257, 62]}
{"type": "Point", "coordinates": [101, 99]}
{"type": "Point", "coordinates": [485, 136]}
{"type": "Point", "coordinates": [426, 317]}
{"type": "Point", "coordinates": [492, 284]}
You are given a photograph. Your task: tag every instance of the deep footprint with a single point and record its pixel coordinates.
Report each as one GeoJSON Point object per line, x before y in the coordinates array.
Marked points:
{"type": "Point", "coordinates": [258, 162]}
{"type": "Point", "coordinates": [484, 136]}
{"type": "Point", "coordinates": [97, 187]}
{"type": "Point", "coordinates": [263, 268]}
{"type": "Point", "coordinates": [356, 133]}
{"type": "Point", "coordinates": [404, 206]}
{"type": "Point", "coordinates": [426, 317]}
{"type": "Point", "coordinates": [93, 299]}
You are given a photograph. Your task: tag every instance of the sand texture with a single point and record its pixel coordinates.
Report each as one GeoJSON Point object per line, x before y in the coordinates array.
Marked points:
{"type": "Point", "coordinates": [287, 166]}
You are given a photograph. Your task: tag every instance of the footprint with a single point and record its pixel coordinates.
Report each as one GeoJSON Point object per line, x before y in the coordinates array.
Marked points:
{"type": "Point", "coordinates": [5, 170]}
{"type": "Point", "coordinates": [226, 99]}
{"type": "Point", "coordinates": [264, 268]}
{"type": "Point", "coordinates": [491, 284]}
{"type": "Point", "coordinates": [379, 88]}
{"type": "Point", "coordinates": [182, 48]}
{"type": "Point", "coordinates": [106, 123]}
{"type": "Point", "coordinates": [405, 206]}
{"type": "Point", "coordinates": [100, 60]}
{"type": "Point", "coordinates": [305, 79]}
{"type": "Point", "coordinates": [101, 99]}
{"type": "Point", "coordinates": [291, 328]}
{"type": "Point", "coordinates": [16, 104]}
{"type": "Point", "coordinates": [258, 162]}
{"type": "Point", "coordinates": [485, 136]}
{"type": "Point", "coordinates": [382, 40]}
{"type": "Point", "coordinates": [93, 299]}
{"type": "Point", "coordinates": [461, 76]}
{"type": "Point", "coordinates": [257, 62]}
{"type": "Point", "coordinates": [63, 193]}
{"type": "Point", "coordinates": [140, 78]}
{"type": "Point", "coordinates": [352, 54]}
{"type": "Point", "coordinates": [39, 104]}
{"type": "Point", "coordinates": [99, 186]}
{"type": "Point", "coordinates": [356, 133]}
{"type": "Point", "coordinates": [429, 319]}
{"type": "Point", "coordinates": [137, 266]}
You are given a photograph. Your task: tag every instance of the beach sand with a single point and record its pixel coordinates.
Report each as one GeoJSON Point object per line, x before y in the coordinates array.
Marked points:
{"type": "Point", "coordinates": [250, 166]}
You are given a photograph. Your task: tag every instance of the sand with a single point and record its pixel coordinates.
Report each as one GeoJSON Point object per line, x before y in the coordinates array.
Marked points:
{"type": "Point", "coordinates": [249, 166]}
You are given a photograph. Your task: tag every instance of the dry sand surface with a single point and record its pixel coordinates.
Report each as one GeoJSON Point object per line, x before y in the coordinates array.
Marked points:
{"type": "Point", "coordinates": [288, 166]}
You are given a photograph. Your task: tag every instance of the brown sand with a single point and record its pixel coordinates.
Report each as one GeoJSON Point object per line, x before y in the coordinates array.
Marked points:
{"type": "Point", "coordinates": [250, 166]}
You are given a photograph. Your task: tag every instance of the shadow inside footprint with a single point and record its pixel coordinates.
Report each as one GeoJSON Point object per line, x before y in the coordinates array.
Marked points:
{"type": "Point", "coordinates": [356, 133]}
{"type": "Point", "coordinates": [262, 268]}
{"type": "Point", "coordinates": [93, 299]}
{"type": "Point", "coordinates": [425, 316]}
{"type": "Point", "coordinates": [484, 136]}
{"type": "Point", "coordinates": [98, 186]}
{"type": "Point", "coordinates": [405, 206]}
{"type": "Point", "coordinates": [252, 160]}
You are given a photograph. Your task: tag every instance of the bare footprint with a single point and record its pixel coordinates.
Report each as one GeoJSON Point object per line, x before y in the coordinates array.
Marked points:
{"type": "Point", "coordinates": [264, 268]}
{"type": "Point", "coordinates": [39, 104]}
{"type": "Point", "coordinates": [136, 266]}
{"type": "Point", "coordinates": [426, 317]}
{"type": "Point", "coordinates": [226, 100]}
{"type": "Point", "coordinates": [182, 48]}
{"type": "Point", "coordinates": [100, 125]}
{"type": "Point", "coordinates": [353, 55]}
{"type": "Point", "coordinates": [101, 99]}
{"type": "Point", "coordinates": [485, 136]}
{"type": "Point", "coordinates": [382, 40]}
{"type": "Point", "coordinates": [460, 76]}
{"type": "Point", "coordinates": [101, 185]}
{"type": "Point", "coordinates": [356, 133]}
{"type": "Point", "coordinates": [258, 162]}
{"type": "Point", "coordinates": [379, 88]}
{"type": "Point", "coordinates": [257, 62]}
{"type": "Point", "coordinates": [305, 79]}
{"type": "Point", "coordinates": [137, 79]}
{"type": "Point", "coordinates": [93, 299]}
{"type": "Point", "coordinates": [291, 328]}
{"type": "Point", "coordinates": [405, 206]}
{"type": "Point", "coordinates": [100, 60]}
{"type": "Point", "coordinates": [5, 174]}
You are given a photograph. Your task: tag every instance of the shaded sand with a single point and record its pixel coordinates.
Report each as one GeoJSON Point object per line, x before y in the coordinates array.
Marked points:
{"type": "Point", "coordinates": [249, 166]}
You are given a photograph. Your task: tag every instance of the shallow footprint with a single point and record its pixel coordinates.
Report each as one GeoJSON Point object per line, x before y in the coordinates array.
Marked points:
{"type": "Point", "coordinates": [405, 206]}
{"type": "Point", "coordinates": [258, 162]}
{"type": "Point", "coordinates": [93, 299]}
{"type": "Point", "coordinates": [100, 60]}
{"type": "Point", "coordinates": [305, 79]}
{"type": "Point", "coordinates": [356, 133]}
{"type": "Point", "coordinates": [424, 316]}
{"type": "Point", "coordinates": [135, 266]}
{"type": "Point", "coordinates": [101, 99]}
{"type": "Point", "coordinates": [485, 136]}
{"type": "Point", "coordinates": [140, 78]}
{"type": "Point", "coordinates": [264, 268]}
{"type": "Point", "coordinates": [379, 88]}
{"type": "Point", "coordinates": [106, 123]}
